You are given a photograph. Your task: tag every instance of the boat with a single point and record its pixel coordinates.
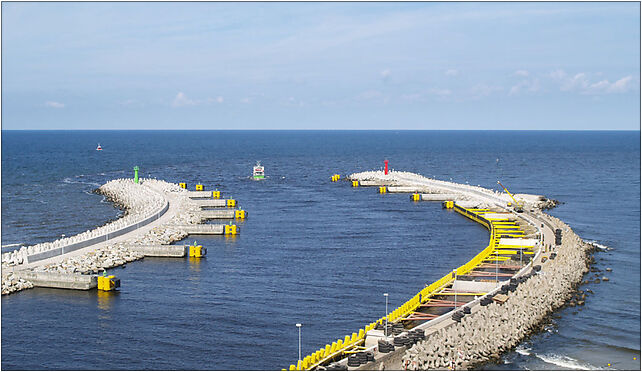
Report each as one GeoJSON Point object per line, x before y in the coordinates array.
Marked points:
{"type": "Point", "coordinates": [99, 148]}
{"type": "Point", "coordinates": [258, 173]}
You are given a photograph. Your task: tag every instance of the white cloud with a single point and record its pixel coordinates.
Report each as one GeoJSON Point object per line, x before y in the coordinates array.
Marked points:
{"type": "Point", "coordinates": [246, 100]}
{"type": "Point", "coordinates": [440, 92]}
{"type": "Point", "coordinates": [385, 74]}
{"type": "Point", "coordinates": [181, 100]}
{"type": "Point", "coordinates": [483, 90]}
{"type": "Point", "coordinates": [528, 85]}
{"type": "Point", "coordinates": [521, 73]}
{"type": "Point", "coordinates": [621, 85]}
{"type": "Point", "coordinates": [218, 99]}
{"type": "Point", "coordinates": [54, 104]}
{"type": "Point", "coordinates": [451, 72]}
{"type": "Point", "coordinates": [581, 83]}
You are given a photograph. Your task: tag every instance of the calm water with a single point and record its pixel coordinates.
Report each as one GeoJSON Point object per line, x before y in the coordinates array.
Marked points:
{"type": "Point", "coordinates": [313, 252]}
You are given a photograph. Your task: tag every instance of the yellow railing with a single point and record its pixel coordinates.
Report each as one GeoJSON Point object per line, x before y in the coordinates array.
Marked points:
{"type": "Point", "coordinates": [341, 346]}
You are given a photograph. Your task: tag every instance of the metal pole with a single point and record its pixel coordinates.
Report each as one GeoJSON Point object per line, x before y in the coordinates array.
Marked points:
{"type": "Point", "coordinates": [455, 271]}
{"type": "Point", "coordinates": [386, 327]}
{"type": "Point", "coordinates": [298, 325]}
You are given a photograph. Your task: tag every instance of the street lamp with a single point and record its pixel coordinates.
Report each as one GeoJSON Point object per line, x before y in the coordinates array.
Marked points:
{"type": "Point", "coordinates": [298, 325]}
{"type": "Point", "coordinates": [386, 327]}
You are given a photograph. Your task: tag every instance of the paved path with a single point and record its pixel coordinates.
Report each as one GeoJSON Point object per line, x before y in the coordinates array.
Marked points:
{"type": "Point", "coordinates": [166, 217]}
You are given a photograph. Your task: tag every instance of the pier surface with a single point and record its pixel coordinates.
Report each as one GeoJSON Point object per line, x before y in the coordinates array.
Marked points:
{"type": "Point", "coordinates": [158, 213]}
{"type": "Point", "coordinates": [480, 309]}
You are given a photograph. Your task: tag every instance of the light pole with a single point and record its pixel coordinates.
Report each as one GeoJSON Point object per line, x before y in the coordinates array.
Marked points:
{"type": "Point", "coordinates": [298, 325]}
{"type": "Point", "coordinates": [386, 327]}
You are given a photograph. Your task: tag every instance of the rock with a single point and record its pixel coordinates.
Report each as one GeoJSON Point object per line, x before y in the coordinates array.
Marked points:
{"type": "Point", "coordinates": [605, 279]}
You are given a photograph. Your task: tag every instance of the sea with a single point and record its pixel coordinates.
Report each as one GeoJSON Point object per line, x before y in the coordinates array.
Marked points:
{"type": "Point", "coordinates": [311, 251]}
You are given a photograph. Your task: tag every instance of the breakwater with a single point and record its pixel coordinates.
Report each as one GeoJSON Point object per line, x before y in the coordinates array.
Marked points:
{"type": "Point", "coordinates": [156, 213]}
{"type": "Point", "coordinates": [415, 336]}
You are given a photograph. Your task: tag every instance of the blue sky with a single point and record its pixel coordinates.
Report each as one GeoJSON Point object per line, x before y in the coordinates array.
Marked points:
{"type": "Point", "coordinates": [320, 66]}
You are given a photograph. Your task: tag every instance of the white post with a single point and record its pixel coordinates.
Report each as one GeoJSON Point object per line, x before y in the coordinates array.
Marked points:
{"type": "Point", "coordinates": [298, 325]}
{"type": "Point", "coordinates": [386, 327]}
{"type": "Point", "coordinates": [455, 272]}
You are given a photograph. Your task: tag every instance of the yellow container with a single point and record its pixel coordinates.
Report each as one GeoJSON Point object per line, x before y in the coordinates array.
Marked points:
{"type": "Point", "coordinates": [182, 185]}
{"type": "Point", "coordinates": [216, 194]}
{"type": "Point", "coordinates": [240, 214]}
{"type": "Point", "coordinates": [199, 187]}
{"type": "Point", "coordinates": [108, 283]}
{"type": "Point", "coordinates": [355, 183]}
{"type": "Point", "coordinates": [197, 251]}
{"type": "Point", "coordinates": [231, 203]}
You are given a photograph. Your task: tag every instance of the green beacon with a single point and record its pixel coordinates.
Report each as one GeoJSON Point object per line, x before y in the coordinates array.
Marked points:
{"type": "Point", "coordinates": [136, 174]}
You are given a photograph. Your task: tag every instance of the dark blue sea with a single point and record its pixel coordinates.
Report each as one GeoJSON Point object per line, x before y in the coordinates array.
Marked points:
{"type": "Point", "coordinates": [311, 252]}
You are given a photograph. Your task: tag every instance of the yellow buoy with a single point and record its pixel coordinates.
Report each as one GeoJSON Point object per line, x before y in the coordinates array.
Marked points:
{"type": "Point", "coordinates": [239, 214]}
{"type": "Point", "coordinates": [416, 197]}
{"type": "Point", "coordinates": [199, 187]}
{"type": "Point", "coordinates": [216, 194]}
{"type": "Point", "coordinates": [382, 189]}
{"type": "Point", "coordinates": [230, 230]}
{"type": "Point", "coordinates": [231, 203]}
{"type": "Point", "coordinates": [182, 185]}
{"type": "Point", "coordinates": [355, 183]}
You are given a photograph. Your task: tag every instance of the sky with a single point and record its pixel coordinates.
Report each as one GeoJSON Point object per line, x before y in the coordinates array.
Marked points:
{"type": "Point", "coordinates": [505, 66]}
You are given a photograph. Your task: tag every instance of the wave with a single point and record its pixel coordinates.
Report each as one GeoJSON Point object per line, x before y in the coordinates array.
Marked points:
{"type": "Point", "coordinates": [595, 243]}
{"type": "Point", "coordinates": [12, 245]}
{"type": "Point", "coordinates": [564, 362]}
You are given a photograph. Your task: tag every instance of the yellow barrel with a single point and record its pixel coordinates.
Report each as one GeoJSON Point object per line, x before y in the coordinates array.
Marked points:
{"type": "Point", "coordinates": [199, 187]}
{"type": "Point", "coordinates": [355, 183]}
{"type": "Point", "coordinates": [197, 251]}
{"type": "Point", "coordinates": [230, 230]}
{"type": "Point", "coordinates": [239, 214]}
{"type": "Point", "coordinates": [108, 283]}
{"type": "Point", "coordinates": [216, 194]}
{"type": "Point", "coordinates": [182, 185]}
{"type": "Point", "coordinates": [231, 203]}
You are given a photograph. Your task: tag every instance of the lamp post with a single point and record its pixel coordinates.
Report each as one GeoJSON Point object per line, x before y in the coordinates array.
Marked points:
{"type": "Point", "coordinates": [298, 325]}
{"type": "Point", "coordinates": [386, 327]}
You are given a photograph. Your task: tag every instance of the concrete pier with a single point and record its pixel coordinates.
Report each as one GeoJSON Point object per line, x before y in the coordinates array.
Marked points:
{"type": "Point", "coordinates": [439, 197]}
{"type": "Point", "coordinates": [58, 280]}
{"type": "Point", "coordinates": [217, 214]}
{"type": "Point", "coordinates": [161, 250]}
{"type": "Point", "coordinates": [199, 194]}
{"type": "Point", "coordinates": [203, 229]}
{"type": "Point", "coordinates": [213, 203]}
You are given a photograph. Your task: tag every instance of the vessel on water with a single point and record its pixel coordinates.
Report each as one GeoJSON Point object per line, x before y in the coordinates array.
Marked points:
{"type": "Point", "coordinates": [99, 148]}
{"type": "Point", "coordinates": [258, 173]}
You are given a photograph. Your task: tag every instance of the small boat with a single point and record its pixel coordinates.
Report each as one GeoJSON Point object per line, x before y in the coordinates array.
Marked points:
{"type": "Point", "coordinates": [99, 148]}
{"type": "Point", "coordinates": [258, 173]}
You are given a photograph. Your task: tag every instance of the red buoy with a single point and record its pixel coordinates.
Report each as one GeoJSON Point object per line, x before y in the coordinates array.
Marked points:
{"type": "Point", "coordinates": [386, 162]}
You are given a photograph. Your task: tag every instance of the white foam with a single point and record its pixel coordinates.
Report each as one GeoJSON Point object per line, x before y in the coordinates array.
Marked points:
{"type": "Point", "coordinates": [523, 350]}
{"type": "Point", "coordinates": [595, 243]}
{"type": "Point", "coordinates": [565, 362]}
{"type": "Point", "coordinates": [12, 245]}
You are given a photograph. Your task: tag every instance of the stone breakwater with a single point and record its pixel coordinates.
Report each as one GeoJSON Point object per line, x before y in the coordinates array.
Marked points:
{"type": "Point", "coordinates": [464, 192]}
{"type": "Point", "coordinates": [138, 202]}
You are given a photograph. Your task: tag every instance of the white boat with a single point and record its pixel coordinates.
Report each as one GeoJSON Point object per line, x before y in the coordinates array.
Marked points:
{"type": "Point", "coordinates": [258, 172]}
{"type": "Point", "coordinates": [99, 148]}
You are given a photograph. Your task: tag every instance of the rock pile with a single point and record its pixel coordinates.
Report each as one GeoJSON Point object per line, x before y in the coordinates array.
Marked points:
{"type": "Point", "coordinates": [138, 201]}
{"type": "Point", "coordinates": [11, 283]}
{"type": "Point", "coordinates": [496, 328]}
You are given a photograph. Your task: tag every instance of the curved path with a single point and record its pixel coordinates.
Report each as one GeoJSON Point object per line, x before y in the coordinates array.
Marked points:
{"type": "Point", "coordinates": [166, 217]}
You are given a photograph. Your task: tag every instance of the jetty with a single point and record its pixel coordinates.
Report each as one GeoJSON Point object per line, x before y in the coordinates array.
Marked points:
{"type": "Point", "coordinates": [482, 308]}
{"type": "Point", "coordinates": [158, 213]}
